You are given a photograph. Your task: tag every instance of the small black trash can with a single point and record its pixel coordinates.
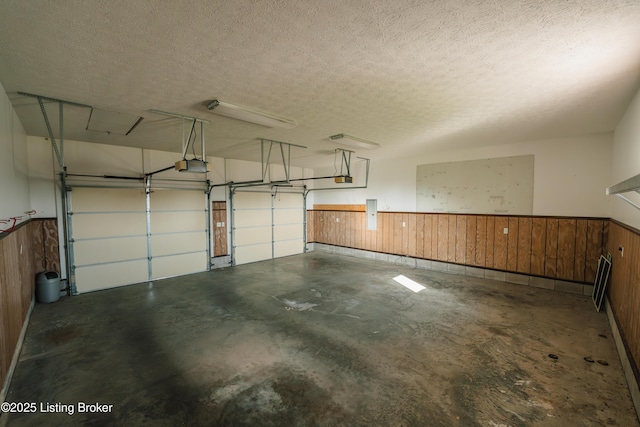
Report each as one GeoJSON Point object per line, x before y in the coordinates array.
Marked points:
{"type": "Point", "coordinates": [47, 287]}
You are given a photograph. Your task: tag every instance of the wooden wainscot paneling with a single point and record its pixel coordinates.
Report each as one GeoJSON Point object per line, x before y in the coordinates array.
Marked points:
{"type": "Point", "coordinates": [320, 226]}
{"type": "Point", "coordinates": [12, 292]}
{"type": "Point", "coordinates": [500, 243]}
{"type": "Point", "coordinates": [349, 230]}
{"type": "Point", "coordinates": [471, 233]}
{"type": "Point", "coordinates": [27, 267]}
{"type": "Point", "coordinates": [324, 230]}
{"type": "Point", "coordinates": [595, 228]}
{"type": "Point", "coordinates": [37, 238]}
{"type": "Point", "coordinates": [442, 237]}
{"type": "Point", "coordinates": [427, 238]}
{"type": "Point", "coordinates": [332, 227]}
{"type": "Point", "coordinates": [358, 224]}
{"type": "Point", "coordinates": [17, 284]}
{"type": "Point", "coordinates": [411, 234]}
{"type": "Point", "coordinates": [633, 332]}
{"type": "Point", "coordinates": [551, 248]}
{"type": "Point", "coordinates": [361, 225]}
{"type": "Point", "coordinates": [341, 229]}
{"type": "Point", "coordinates": [398, 246]}
{"type": "Point", "coordinates": [559, 248]}
{"type": "Point", "coordinates": [420, 237]}
{"type": "Point", "coordinates": [481, 241]}
{"type": "Point", "coordinates": [524, 245]}
{"type": "Point", "coordinates": [330, 224]}
{"type": "Point", "coordinates": [51, 245]}
{"type": "Point", "coordinates": [566, 248]}
{"type": "Point", "coordinates": [5, 344]}
{"type": "Point", "coordinates": [580, 250]}
{"type": "Point", "coordinates": [512, 244]}
{"type": "Point", "coordinates": [538, 245]}
{"type": "Point", "coordinates": [435, 231]}
{"type": "Point", "coordinates": [624, 285]}
{"type": "Point", "coordinates": [491, 227]}
{"type": "Point", "coordinates": [461, 239]}
{"type": "Point", "coordinates": [451, 244]}
{"type": "Point", "coordinates": [311, 236]}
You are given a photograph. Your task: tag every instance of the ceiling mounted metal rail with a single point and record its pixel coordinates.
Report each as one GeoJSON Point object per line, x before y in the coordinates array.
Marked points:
{"type": "Point", "coordinates": [58, 150]}
{"type": "Point", "coordinates": [366, 183]}
{"type": "Point", "coordinates": [626, 186]}
{"type": "Point", "coordinates": [285, 155]}
{"type": "Point", "coordinates": [179, 116]}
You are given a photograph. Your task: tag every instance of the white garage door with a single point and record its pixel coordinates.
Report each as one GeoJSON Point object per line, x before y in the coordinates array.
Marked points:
{"type": "Point", "coordinates": [267, 226]}
{"type": "Point", "coordinates": [114, 240]}
{"type": "Point", "coordinates": [178, 233]}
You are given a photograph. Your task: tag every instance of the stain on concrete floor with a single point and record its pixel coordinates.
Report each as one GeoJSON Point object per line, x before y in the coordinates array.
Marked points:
{"type": "Point", "coordinates": [322, 340]}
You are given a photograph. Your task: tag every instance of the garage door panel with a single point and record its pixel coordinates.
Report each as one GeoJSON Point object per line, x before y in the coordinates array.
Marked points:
{"type": "Point", "coordinates": [98, 277]}
{"type": "Point", "coordinates": [286, 232]}
{"type": "Point", "coordinates": [178, 265]}
{"type": "Point", "coordinates": [167, 244]}
{"type": "Point", "coordinates": [110, 242]}
{"type": "Point", "coordinates": [252, 236]}
{"type": "Point", "coordinates": [288, 216]}
{"type": "Point", "coordinates": [252, 218]}
{"type": "Point", "coordinates": [252, 201]}
{"type": "Point", "coordinates": [172, 222]}
{"type": "Point", "coordinates": [246, 254]}
{"type": "Point", "coordinates": [109, 250]}
{"type": "Point", "coordinates": [86, 226]}
{"type": "Point", "coordinates": [107, 200]}
{"type": "Point", "coordinates": [175, 200]}
{"type": "Point", "coordinates": [260, 218]}
{"type": "Point", "coordinates": [287, 248]}
{"type": "Point", "coordinates": [285, 200]}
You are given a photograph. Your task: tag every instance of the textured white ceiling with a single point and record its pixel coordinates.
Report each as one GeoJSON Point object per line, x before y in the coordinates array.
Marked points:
{"type": "Point", "coordinates": [414, 76]}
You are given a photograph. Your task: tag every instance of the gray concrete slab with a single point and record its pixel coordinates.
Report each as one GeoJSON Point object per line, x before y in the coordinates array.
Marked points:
{"type": "Point", "coordinates": [324, 340]}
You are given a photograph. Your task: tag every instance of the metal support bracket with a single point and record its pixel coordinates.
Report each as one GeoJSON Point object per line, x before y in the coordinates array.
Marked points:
{"type": "Point", "coordinates": [58, 150]}
{"type": "Point", "coordinates": [51, 137]}
{"type": "Point", "coordinates": [266, 145]}
{"type": "Point", "coordinates": [626, 186]}
{"type": "Point", "coordinates": [345, 162]}
{"type": "Point", "coordinates": [187, 141]}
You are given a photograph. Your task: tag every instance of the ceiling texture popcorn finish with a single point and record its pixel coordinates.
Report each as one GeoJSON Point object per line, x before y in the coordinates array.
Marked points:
{"type": "Point", "coordinates": [415, 76]}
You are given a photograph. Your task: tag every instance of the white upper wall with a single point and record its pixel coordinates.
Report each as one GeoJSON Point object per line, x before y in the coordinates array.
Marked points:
{"type": "Point", "coordinates": [625, 162]}
{"type": "Point", "coordinates": [570, 175]}
{"type": "Point", "coordinates": [14, 174]}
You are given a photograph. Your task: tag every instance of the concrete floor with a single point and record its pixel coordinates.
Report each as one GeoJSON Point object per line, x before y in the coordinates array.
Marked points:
{"type": "Point", "coordinates": [322, 340]}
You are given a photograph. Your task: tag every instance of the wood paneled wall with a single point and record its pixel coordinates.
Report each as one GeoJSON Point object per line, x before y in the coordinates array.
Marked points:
{"type": "Point", "coordinates": [559, 248]}
{"type": "Point", "coordinates": [30, 249]}
{"type": "Point", "coordinates": [624, 286]}
{"type": "Point", "coordinates": [17, 283]}
{"type": "Point", "coordinates": [45, 245]}
{"type": "Point", "coordinates": [219, 219]}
